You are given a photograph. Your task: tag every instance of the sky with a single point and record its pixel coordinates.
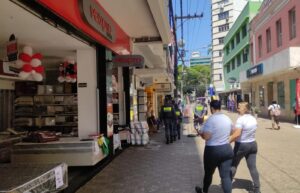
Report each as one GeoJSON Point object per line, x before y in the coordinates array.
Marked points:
{"type": "Point", "coordinates": [196, 32]}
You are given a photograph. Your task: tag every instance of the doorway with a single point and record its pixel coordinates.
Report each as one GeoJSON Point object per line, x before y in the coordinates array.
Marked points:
{"type": "Point", "coordinates": [270, 92]}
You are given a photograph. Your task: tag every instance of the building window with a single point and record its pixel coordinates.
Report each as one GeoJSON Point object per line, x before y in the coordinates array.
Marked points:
{"type": "Point", "coordinates": [238, 38]}
{"type": "Point", "coordinates": [292, 23]}
{"type": "Point", "coordinates": [228, 67]}
{"type": "Point", "coordinates": [259, 46]}
{"type": "Point", "coordinates": [238, 59]}
{"type": "Point", "coordinates": [227, 50]}
{"type": "Point", "coordinates": [232, 44]}
{"type": "Point", "coordinates": [220, 53]}
{"type": "Point", "coordinates": [261, 96]}
{"type": "Point", "coordinates": [280, 94]}
{"type": "Point", "coordinates": [245, 55]}
{"type": "Point", "coordinates": [224, 27]}
{"type": "Point", "coordinates": [268, 40]}
{"type": "Point", "coordinates": [221, 40]}
{"type": "Point", "coordinates": [244, 31]}
{"type": "Point", "coordinates": [232, 64]}
{"type": "Point", "coordinates": [223, 15]}
{"type": "Point", "coordinates": [279, 32]}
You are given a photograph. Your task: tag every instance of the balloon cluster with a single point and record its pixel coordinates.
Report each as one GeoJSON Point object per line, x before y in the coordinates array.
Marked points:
{"type": "Point", "coordinates": [30, 65]}
{"type": "Point", "coordinates": [68, 72]}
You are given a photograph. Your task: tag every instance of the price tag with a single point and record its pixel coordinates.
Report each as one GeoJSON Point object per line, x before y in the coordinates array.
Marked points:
{"type": "Point", "coordinates": [59, 181]}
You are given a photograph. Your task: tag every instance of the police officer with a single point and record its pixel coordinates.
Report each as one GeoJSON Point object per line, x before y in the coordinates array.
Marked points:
{"type": "Point", "coordinates": [178, 121]}
{"type": "Point", "coordinates": [218, 151]}
{"type": "Point", "coordinates": [167, 115]}
{"type": "Point", "coordinates": [198, 114]}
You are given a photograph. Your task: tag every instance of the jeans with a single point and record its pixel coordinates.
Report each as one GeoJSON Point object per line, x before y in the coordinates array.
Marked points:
{"type": "Point", "coordinates": [221, 157]}
{"type": "Point", "coordinates": [248, 151]}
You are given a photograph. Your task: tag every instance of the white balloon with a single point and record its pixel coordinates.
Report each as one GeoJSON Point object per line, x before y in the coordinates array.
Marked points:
{"type": "Point", "coordinates": [37, 77]}
{"type": "Point", "coordinates": [24, 75]}
{"type": "Point", "coordinates": [35, 62]}
{"type": "Point", "coordinates": [28, 50]}
{"type": "Point", "coordinates": [68, 79]}
{"type": "Point", "coordinates": [61, 79]}
{"type": "Point", "coordinates": [73, 80]}
{"type": "Point", "coordinates": [19, 63]}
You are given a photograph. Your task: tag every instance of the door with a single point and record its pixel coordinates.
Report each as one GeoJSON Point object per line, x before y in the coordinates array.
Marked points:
{"type": "Point", "coordinates": [270, 93]}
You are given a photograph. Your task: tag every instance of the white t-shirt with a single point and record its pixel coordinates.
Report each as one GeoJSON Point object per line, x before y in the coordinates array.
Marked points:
{"type": "Point", "coordinates": [248, 124]}
{"type": "Point", "coordinates": [273, 106]}
{"type": "Point", "coordinates": [219, 126]}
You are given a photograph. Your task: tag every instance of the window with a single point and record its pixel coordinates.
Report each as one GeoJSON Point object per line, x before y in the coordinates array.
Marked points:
{"type": "Point", "coordinates": [292, 23]}
{"type": "Point", "coordinates": [232, 64]}
{"type": "Point", "coordinates": [224, 27]}
{"type": "Point", "coordinates": [238, 59]}
{"type": "Point", "coordinates": [245, 55]}
{"type": "Point", "coordinates": [228, 67]}
{"type": "Point", "coordinates": [244, 31]}
{"type": "Point", "coordinates": [227, 50]}
{"type": "Point", "coordinates": [238, 38]}
{"type": "Point", "coordinates": [279, 32]}
{"type": "Point", "coordinates": [259, 46]}
{"type": "Point", "coordinates": [220, 53]}
{"type": "Point", "coordinates": [221, 40]}
{"type": "Point", "coordinates": [280, 94]}
{"type": "Point", "coordinates": [223, 15]}
{"type": "Point", "coordinates": [232, 44]}
{"type": "Point", "coordinates": [268, 40]}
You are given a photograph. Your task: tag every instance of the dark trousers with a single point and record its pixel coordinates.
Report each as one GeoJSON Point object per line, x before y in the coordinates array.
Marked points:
{"type": "Point", "coordinates": [248, 151]}
{"type": "Point", "coordinates": [221, 157]}
{"type": "Point", "coordinates": [169, 129]}
{"type": "Point", "coordinates": [178, 129]}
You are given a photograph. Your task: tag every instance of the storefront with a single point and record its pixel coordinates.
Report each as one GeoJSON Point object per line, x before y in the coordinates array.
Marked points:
{"type": "Point", "coordinates": [75, 92]}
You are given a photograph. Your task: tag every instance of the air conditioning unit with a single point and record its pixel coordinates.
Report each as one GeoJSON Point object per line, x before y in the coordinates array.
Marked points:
{"type": "Point", "coordinates": [221, 6]}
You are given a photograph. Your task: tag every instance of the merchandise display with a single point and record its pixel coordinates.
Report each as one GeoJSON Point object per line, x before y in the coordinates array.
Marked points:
{"type": "Point", "coordinates": [139, 133]}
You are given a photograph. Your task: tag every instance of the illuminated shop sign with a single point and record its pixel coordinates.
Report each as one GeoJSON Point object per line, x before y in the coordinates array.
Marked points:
{"type": "Point", "coordinates": [254, 71]}
{"type": "Point", "coordinates": [95, 17]}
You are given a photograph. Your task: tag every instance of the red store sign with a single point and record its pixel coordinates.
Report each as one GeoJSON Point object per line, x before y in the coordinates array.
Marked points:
{"type": "Point", "coordinates": [91, 18]}
{"type": "Point", "coordinates": [129, 61]}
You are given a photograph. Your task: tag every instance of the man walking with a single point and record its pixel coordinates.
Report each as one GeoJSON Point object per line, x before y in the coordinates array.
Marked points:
{"type": "Point", "coordinates": [274, 112]}
{"type": "Point", "coordinates": [167, 115]}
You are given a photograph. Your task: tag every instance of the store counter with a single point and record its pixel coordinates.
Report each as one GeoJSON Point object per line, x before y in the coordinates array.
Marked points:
{"type": "Point", "coordinates": [69, 150]}
{"type": "Point", "coordinates": [17, 178]}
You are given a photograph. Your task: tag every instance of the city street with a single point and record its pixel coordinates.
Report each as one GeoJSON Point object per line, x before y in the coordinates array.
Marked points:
{"type": "Point", "coordinates": [177, 167]}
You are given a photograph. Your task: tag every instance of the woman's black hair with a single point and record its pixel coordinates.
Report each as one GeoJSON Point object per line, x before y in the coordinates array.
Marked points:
{"type": "Point", "coordinates": [215, 104]}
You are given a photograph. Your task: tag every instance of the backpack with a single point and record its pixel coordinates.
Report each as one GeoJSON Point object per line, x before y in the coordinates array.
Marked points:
{"type": "Point", "coordinates": [276, 111]}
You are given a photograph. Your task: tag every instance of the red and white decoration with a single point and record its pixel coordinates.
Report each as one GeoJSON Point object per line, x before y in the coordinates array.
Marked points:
{"type": "Point", "coordinates": [30, 65]}
{"type": "Point", "coordinates": [68, 72]}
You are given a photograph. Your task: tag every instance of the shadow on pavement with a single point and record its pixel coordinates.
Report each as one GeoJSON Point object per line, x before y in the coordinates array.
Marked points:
{"type": "Point", "coordinates": [215, 189]}
{"type": "Point", "coordinates": [242, 184]}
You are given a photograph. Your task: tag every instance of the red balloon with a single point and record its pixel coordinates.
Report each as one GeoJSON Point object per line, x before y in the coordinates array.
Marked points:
{"type": "Point", "coordinates": [39, 69]}
{"type": "Point", "coordinates": [37, 56]}
{"type": "Point", "coordinates": [27, 68]}
{"type": "Point", "coordinates": [25, 57]}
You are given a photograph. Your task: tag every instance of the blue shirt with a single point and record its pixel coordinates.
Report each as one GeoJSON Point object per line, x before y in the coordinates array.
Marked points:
{"type": "Point", "coordinates": [248, 124]}
{"type": "Point", "coordinates": [220, 127]}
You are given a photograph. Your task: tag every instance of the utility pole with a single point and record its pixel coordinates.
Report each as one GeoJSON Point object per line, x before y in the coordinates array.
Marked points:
{"type": "Point", "coordinates": [181, 53]}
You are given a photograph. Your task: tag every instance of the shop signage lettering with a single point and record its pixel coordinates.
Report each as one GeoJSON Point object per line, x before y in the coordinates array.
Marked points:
{"type": "Point", "coordinates": [94, 16]}
{"type": "Point", "coordinates": [254, 71]}
{"type": "Point", "coordinates": [162, 87]}
{"type": "Point", "coordinates": [129, 61]}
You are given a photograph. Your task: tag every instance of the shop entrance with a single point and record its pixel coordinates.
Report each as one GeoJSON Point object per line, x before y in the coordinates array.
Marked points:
{"type": "Point", "coordinates": [270, 93]}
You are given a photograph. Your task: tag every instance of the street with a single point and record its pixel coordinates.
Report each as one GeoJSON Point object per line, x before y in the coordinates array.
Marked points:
{"type": "Point", "coordinates": [177, 167]}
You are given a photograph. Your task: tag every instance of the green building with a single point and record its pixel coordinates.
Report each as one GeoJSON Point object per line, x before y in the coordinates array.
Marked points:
{"type": "Point", "coordinates": [197, 59]}
{"type": "Point", "coordinates": [236, 49]}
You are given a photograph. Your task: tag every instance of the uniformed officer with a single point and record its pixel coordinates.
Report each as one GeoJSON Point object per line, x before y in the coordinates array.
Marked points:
{"type": "Point", "coordinates": [178, 121]}
{"type": "Point", "coordinates": [198, 114]}
{"type": "Point", "coordinates": [167, 115]}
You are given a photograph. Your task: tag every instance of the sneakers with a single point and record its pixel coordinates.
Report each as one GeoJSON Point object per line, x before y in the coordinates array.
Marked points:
{"type": "Point", "coordinates": [198, 189]}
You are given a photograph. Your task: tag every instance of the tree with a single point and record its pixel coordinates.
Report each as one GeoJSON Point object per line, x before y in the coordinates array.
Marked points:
{"type": "Point", "coordinates": [195, 78]}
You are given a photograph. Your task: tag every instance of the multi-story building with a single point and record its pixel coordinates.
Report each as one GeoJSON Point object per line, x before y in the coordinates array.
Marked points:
{"type": "Point", "coordinates": [224, 13]}
{"type": "Point", "coordinates": [275, 47]}
{"type": "Point", "coordinates": [197, 59]}
{"type": "Point", "coordinates": [236, 51]}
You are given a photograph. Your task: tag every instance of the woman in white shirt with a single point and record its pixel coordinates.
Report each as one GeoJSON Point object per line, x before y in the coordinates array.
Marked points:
{"type": "Point", "coordinates": [245, 143]}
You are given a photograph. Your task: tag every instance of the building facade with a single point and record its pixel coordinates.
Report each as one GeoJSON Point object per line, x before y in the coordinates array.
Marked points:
{"type": "Point", "coordinates": [236, 50]}
{"type": "Point", "coordinates": [224, 13]}
{"type": "Point", "coordinates": [197, 59]}
{"type": "Point", "coordinates": [275, 44]}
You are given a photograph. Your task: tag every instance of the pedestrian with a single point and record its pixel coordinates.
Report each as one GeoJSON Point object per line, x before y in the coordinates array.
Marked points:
{"type": "Point", "coordinates": [217, 152]}
{"type": "Point", "coordinates": [245, 144]}
{"type": "Point", "coordinates": [274, 112]}
{"type": "Point", "coordinates": [178, 121]}
{"type": "Point", "coordinates": [198, 114]}
{"type": "Point", "coordinates": [297, 115]}
{"type": "Point", "coordinates": [167, 115]}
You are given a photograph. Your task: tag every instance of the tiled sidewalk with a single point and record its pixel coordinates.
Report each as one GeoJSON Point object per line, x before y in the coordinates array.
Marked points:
{"type": "Point", "coordinates": [157, 167]}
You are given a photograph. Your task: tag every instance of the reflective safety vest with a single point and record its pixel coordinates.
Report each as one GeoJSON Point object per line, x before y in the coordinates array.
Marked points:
{"type": "Point", "coordinates": [167, 109]}
{"type": "Point", "coordinates": [177, 113]}
{"type": "Point", "coordinates": [199, 108]}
